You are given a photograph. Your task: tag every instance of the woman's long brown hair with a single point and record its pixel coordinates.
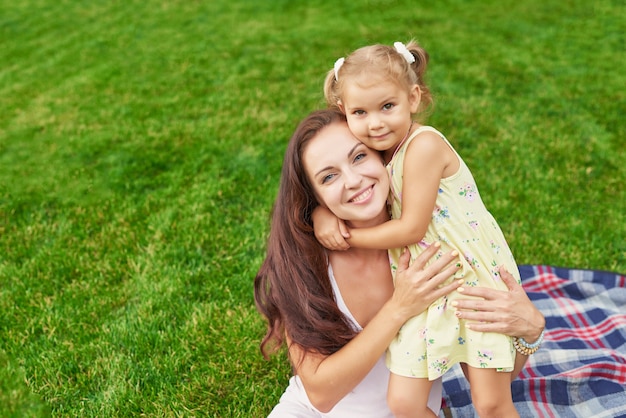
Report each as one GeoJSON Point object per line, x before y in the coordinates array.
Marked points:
{"type": "Point", "coordinates": [292, 288]}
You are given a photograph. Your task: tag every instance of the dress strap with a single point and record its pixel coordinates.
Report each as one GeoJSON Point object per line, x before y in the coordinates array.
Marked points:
{"type": "Point", "coordinates": [408, 138]}
{"type": "Point", "coordinates": [339, 299]}
{"type": "Point", "coordinates": [402, 142]}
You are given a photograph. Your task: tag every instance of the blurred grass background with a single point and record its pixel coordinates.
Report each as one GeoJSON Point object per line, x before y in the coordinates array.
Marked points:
{"type": "Point", "coordinates": [140, 152]}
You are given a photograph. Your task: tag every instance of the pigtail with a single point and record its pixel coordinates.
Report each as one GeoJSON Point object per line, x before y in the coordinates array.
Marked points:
{"type": "Point", "coordinates": [419, 67]}
{"type": "Point", "coordinates": [330, 90]}
{"type": "Point", "coordinates": [421, 58]}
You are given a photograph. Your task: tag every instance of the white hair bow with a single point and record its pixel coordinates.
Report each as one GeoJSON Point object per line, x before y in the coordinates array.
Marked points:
{"type": "Point", "coordinates": [338, 65]}
{"type": "Point", "coordinates": [402, 51]}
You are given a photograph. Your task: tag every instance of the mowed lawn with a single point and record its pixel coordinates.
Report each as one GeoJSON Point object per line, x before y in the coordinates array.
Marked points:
{"type": "Point", "coordinates": [140, 150]}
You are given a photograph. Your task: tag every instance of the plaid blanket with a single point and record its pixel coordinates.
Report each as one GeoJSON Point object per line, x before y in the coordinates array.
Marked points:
{"type": "Point", "coordinates": [580, 369]}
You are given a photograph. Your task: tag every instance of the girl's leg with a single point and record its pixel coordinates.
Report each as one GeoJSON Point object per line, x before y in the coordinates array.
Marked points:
{"type": "Point", "coordinates": [491, 392]}
{"type": "Point", "coordinates": [408, 397]}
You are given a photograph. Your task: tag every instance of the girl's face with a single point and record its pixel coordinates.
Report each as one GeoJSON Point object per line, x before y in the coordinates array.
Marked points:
{"type": "Point", "coordinates": [348, 178]}
{"type": "Point", "coordinates": [379, 113]}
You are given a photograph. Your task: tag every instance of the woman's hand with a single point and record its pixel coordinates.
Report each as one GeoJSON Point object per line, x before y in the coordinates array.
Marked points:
{"type": "Point", "coordinates": [510, 313]}
{"type": "Point", "coordinates": [417, 287]}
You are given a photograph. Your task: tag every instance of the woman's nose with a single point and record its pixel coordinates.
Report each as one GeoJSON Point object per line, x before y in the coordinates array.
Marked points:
{"type": "Point", "coordinates": [352, 179]}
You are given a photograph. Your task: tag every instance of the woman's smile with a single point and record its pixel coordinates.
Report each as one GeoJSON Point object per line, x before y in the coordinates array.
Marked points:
{"type": "Point", "coordinates": [363, 195]}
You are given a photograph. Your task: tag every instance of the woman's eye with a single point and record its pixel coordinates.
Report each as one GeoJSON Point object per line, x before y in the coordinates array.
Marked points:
{"type": "Point", "coordinates": [327, 178]}
{"type": "Point", "coordinates": [360, 156]}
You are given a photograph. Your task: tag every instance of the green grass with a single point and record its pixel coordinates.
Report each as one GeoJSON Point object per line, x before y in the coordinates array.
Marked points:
{"type": "Point", "coordinates": [140, 152]}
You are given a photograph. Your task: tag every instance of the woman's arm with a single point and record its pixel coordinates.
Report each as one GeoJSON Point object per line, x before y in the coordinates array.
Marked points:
{"type": "Point", "coordinates": [327, 379]}
{"type": "Point", "coordinates": [511, 313]}
{"type": "Point", "coordinates": [425, 162]}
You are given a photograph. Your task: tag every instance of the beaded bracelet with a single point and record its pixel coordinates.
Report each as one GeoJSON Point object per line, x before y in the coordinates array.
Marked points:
{"type": "Point", "coordinates": [525, 348]}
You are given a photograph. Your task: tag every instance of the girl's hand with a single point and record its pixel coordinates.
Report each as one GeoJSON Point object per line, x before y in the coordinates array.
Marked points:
{"type": "Point", "coordinates": [329, 230]}
{"type": "Point", "coordinates": [511, 313]}
{"type": "Point", "coordinates": [417, 287]}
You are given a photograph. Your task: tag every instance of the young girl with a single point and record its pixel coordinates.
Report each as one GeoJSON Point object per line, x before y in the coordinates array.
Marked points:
{"type": "Point", "coordinates": [433, 198]}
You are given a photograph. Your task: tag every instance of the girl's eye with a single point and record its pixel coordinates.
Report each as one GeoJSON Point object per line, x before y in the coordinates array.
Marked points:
{"type": "Point", "coordinates": [359, 112]}
{"type": "Point", "coordinates": [388, 106]}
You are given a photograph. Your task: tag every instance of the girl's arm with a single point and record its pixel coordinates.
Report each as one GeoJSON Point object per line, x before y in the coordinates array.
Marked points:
{"type": "Point", "coordinates": [427, 158]}
{"type": "Point", "coordinates": [329, 230]}
{"type": "Point", "coordinates": [329, 378]}
{"type": "Point", "coordinates": [505, 312]}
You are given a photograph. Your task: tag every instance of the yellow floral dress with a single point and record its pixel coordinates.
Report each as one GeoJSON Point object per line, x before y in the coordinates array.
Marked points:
{"type": "Point", "coordinates": [429, 344]}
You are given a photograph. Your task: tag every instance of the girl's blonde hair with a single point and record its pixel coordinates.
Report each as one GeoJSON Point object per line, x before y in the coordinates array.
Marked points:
{"type": "Point", "coordinates": [380, 62]}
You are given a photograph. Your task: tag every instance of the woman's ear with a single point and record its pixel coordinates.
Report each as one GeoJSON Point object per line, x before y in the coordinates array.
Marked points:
{"type": "Point", "coordinates": [415, 96]}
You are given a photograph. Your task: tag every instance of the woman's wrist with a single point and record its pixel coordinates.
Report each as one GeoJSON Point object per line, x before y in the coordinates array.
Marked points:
{"type": "Point", "coordinates": [524, 347]}
{"type": "Point", "coordinates": [398, 312]}
{"type": "Point", "coordinates": [537, 324]}
{"type": "Point", "coordinates": [533, 337]}
{"type": "Point", "coordinates": [393, 313]}
{"type": "Point", "coordinates": [530, 342]}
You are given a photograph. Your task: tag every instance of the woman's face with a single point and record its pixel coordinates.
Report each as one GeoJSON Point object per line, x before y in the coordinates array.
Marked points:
{"type": "Point", "coordinates": [348, 177]}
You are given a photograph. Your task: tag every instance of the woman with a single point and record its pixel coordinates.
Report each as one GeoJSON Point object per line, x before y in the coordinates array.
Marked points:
{"type": "Point", "coordinates": [337, 311]}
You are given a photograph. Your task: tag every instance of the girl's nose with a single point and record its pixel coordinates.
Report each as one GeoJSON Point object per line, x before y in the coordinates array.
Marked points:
{"type": "Point", "coordinates": [374, 122]}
